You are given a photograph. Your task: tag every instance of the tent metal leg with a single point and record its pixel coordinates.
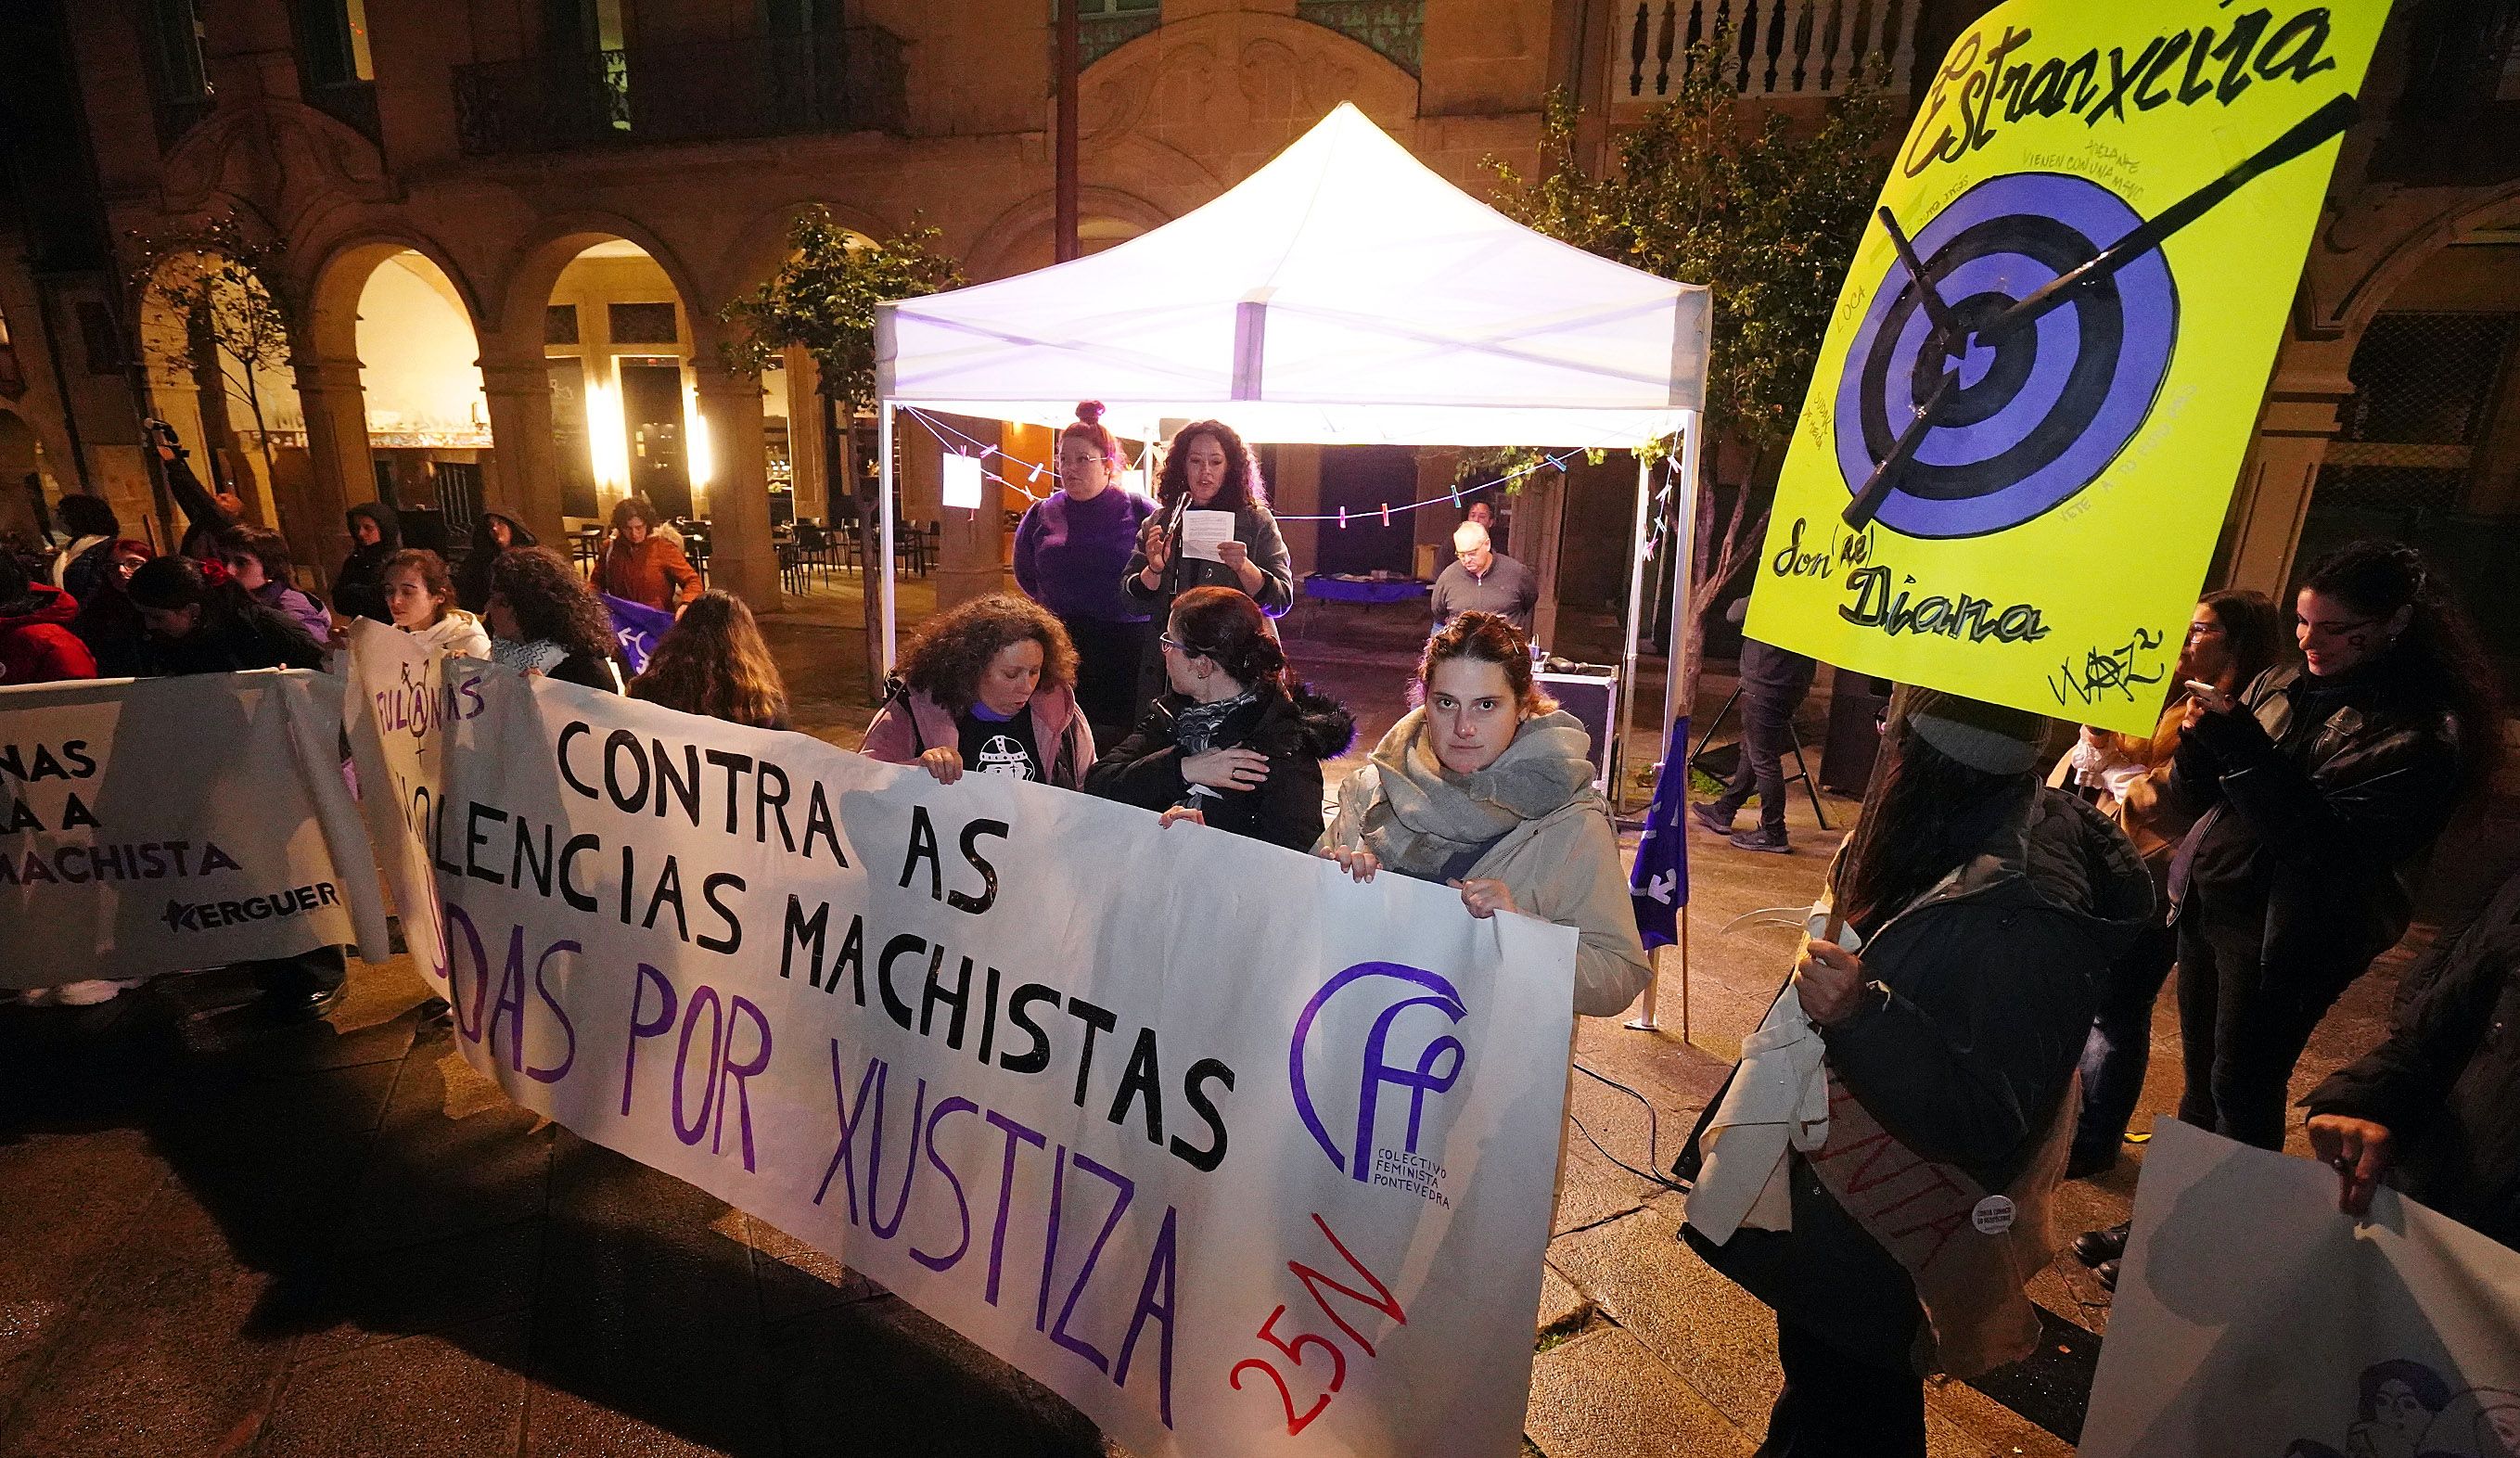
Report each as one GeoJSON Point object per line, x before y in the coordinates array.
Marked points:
{"type": "Point", "coordinates": [890, 624]}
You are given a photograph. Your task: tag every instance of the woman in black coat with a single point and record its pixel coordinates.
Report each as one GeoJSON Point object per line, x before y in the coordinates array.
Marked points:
{"type": "Point", "coordinates": [359, 587]}
{"type": "Point", "coordinates": [2320, 792]}
{"type": "Point", "coordinates": [1206, 469]}
{"type": "Point", "coordinates": [494, 533]}
{"type": "Point", "coordinates": [1237, 743]}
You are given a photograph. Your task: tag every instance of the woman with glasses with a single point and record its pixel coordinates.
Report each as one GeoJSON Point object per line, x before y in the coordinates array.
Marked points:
{"type": "Point", "coordinates": [1071, 550]}
{"type": "Point", "coordinates": [2318, 790]}
{"type": "Point", "coordinates": [1239, 743]}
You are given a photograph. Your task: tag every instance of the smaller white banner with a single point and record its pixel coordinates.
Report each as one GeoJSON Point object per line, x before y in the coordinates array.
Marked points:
{"type": "Point", "coordinates": [2254, 1318]}
{"type": "Point", "coordinates": [162, 825]}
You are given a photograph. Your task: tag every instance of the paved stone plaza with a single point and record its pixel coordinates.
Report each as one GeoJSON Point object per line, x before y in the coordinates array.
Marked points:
{"type": "Point", "coordinates": [341, 1240]}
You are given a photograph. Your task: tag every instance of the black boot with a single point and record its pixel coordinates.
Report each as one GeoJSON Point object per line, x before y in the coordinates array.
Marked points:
{"type": "Point", "coordinates": [2097, 1248]}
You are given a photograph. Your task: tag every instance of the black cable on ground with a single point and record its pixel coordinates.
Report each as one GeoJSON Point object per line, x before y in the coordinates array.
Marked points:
{"type": "Point", "coordinates": [1653, 1135]}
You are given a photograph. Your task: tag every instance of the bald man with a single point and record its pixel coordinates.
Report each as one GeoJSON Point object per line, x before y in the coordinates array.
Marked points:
{"type": "Point", "coordinates": [1484, 580]}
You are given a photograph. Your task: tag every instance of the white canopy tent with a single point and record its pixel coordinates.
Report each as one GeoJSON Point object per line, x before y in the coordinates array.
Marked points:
{"type": "Point", "coordinates": [1341, 294]}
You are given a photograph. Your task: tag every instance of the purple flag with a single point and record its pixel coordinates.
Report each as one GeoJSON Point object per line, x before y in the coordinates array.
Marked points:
{"type": "Point", "coordinates": [637, 627]}
{"type": "Point", "coordinates": [1658, 887]}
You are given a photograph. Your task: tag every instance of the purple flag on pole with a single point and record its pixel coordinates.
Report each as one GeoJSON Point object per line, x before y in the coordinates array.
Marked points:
{"type": "Point", "coordinates": [1658, 887]}
{"type": "Point", "coordinates": [637, 627]}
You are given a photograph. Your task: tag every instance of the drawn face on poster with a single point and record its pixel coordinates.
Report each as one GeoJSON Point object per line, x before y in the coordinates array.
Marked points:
{"type": "Point", "coordinates": [2051, 347]}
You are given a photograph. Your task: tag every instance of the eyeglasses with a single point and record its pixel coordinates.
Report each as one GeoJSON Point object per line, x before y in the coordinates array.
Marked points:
{"type": "Point", "coordinates": [1179, 647]}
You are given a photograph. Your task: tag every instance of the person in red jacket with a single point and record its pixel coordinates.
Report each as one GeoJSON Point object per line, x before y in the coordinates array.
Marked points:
{"type": "Point", "coordinates": [36, 644]}
{"type": "Point", "coordinates": [642, 566]}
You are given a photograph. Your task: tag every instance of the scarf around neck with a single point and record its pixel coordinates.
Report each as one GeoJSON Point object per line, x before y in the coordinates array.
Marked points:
{"type": "Point", "coordinates": [1424, 814]}
{"type": "Point", "coordinates": [1195, 731]}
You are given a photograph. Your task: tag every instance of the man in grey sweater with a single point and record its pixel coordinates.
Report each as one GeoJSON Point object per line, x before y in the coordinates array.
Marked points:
{"type": "Point", "coordinates": [1484, 580]}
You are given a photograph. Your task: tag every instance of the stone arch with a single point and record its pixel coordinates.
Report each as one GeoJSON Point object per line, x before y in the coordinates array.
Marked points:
{"type": "Point", "coordinates": [2369, 293]}
{"type": "Point", "coordinates": [1018, 239]}
{"type": "Point", "coordinates": [341, 275]}
{"type": "Point", "coordinates": [761, 246]}
{"type": "Point", "coordinates": [523, 284]}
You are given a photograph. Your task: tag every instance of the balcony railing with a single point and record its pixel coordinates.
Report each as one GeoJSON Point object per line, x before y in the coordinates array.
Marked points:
{"type": "Point", "coordinates": [1393, 29]}
{"type": "Point", "coordinates": [1777, 47]}
{"type": "Point", "coordinates": [761, 86]}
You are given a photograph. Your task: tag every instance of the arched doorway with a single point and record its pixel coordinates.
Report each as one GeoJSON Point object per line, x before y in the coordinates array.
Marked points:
{"type": "Point", "coordinates": [625, 412]}
{"type": "Point", "coordinates": [427, 422]}
{"type": "Point", "coordinates": [216, 349]}
{"type": "Point", "coordinates": [2427, 449]}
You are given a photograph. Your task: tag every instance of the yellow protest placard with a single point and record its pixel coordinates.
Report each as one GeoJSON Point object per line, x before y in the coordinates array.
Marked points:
{"type": "Point", "coordinates": [2007, 478]}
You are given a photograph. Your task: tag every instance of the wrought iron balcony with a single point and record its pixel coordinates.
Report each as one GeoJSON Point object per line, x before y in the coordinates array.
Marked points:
{"type": "Point", "coordinates": [1778, 48]}
{"type": "Point", "coordinates": [760, 86]}
{"type": "Point", "coordinates": [1393, 29]}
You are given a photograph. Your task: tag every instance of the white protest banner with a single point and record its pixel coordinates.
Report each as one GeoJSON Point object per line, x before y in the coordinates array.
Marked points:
{"type": "Point", "coordinates": [160, 825]}
{"type": "Point", "coordinates": [1236, 1156]}
{"type": "Point", "coordinates": [401, 693]}
{"type": "Point", "coordinates": [2253, 1318]}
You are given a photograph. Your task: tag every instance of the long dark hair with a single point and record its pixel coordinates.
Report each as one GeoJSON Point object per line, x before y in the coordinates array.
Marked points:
{"type": "Point", "coordinates": [713, 662]}
{"type": "Point", "coordinates": [2439, 653]}
{"type": "Point", "coordinates": [1227, 627]}
{"type": "Point", "coordinates": [1242, 485]}
{"type": "Point", "coordinates": [553, 604]}
{"type": "Point", "coordinates": [2252, 631]}
{"type": "Point", "coordinates": [1933, 814]}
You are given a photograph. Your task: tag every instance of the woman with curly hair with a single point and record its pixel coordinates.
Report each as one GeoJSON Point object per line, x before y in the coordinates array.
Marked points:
{"type": "Point", "coordinates": [1206, 469]}
{"type": "Point", "coordinates": [544, 618]}
{"type": "Point", "coordinates": [1239, 741]}
{"type": "Point", "coordinates": [713, 662]}
{"type": "Point", "coordinates": [988, 685]}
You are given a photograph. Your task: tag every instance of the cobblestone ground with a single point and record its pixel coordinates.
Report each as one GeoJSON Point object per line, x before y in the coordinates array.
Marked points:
{"type": "Point", "coordinates": [339, 1239]}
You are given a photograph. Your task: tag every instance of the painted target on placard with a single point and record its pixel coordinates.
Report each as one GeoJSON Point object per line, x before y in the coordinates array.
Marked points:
{"type": "Point", "coordinates": [2036, 415]}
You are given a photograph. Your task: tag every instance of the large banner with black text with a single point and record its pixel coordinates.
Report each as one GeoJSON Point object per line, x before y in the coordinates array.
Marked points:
{"type": "Point", "coordinates": [164, 825]}
{"type": "Point", "coordinates": [1236, 1156]}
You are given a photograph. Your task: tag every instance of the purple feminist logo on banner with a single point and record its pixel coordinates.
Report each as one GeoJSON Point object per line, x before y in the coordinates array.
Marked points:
{"type": "Point", "coordinates": [1437, 1066]}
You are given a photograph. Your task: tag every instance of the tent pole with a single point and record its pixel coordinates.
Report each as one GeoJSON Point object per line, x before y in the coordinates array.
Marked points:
{"type": "Point", "coordinates": [1683, 556]}
{"type": "Point", "coordinates": [883, 535]}
{"type": "Point", "coordinates": [1618, 733]}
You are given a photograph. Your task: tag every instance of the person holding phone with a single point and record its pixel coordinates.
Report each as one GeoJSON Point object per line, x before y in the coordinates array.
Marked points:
{"type": "Point", "coordinates": [1206, 469]}
{"type": "Point", "coordinates": [2317, 790]}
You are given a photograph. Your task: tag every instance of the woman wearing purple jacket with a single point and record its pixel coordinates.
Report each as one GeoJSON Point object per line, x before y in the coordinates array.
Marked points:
{"type": "Point", "coordinates": [1071, 553]}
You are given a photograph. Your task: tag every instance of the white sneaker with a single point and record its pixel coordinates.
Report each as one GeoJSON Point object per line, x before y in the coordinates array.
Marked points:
{"type": "Point", "coordinates": [88, 994]}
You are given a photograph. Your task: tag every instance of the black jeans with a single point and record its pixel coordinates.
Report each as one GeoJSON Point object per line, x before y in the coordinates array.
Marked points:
{"type": "Point", "coordinates": [2245, 1019]}
{"type": "Point", "coordinates": [1767, 730]}
{"type": "Point", "coordinates": [1108, 656]}
{"type": "Point", "coordinates": [1834, 1406]}
{"type": "Point", "coordinates": [2119, 1051]}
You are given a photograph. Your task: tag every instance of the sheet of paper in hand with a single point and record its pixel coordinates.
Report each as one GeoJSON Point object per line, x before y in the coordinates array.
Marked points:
{"type": "Point", "coordinates": [1202, 532]}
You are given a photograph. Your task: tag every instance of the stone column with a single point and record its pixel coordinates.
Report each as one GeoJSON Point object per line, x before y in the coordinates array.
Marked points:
{"type": "Point", "coordinates": [336, 406]}
{"type": "Point", "coordinates": [522, 478]}
{"type": "Point", "coordinates": [805, 465]}
{"type": "Point", "coordinates": [2279, 476]}
{"type": "Point", "coordinates": [741, 559]}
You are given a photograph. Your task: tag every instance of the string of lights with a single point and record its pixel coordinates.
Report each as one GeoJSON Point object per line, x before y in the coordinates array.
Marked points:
{"type": "Point", "coordinates": [1457, 496]}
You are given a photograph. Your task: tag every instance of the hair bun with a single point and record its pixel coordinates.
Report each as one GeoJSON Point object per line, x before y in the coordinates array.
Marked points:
{"type": "Point", "coordinates": [1090, 412]}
